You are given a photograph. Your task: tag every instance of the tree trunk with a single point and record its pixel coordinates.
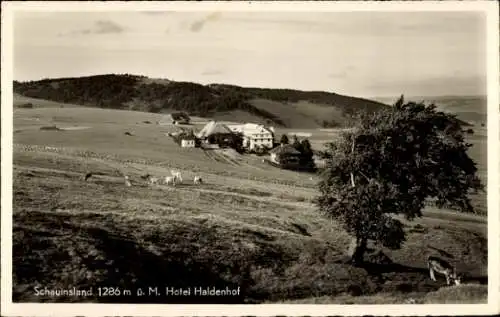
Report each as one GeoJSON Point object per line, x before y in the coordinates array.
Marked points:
{"type": "Point", "coordinates": [352, 174]}
{"type": "Point", "coordinates": [358, 255]}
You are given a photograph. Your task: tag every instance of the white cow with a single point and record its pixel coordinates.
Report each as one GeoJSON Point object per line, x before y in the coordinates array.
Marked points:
{"type": "Point", "coordinates": [127, 181]}
{"type": "Point", "coordinates": [197, 180]}
{"type": "Point", "coordinates": [177, 175]}
{"type": "Point", "coordinates": [153, 180]}
{"type": "Point", "coordinates": [170, 180]}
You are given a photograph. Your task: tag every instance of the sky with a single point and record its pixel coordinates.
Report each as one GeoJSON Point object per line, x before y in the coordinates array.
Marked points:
{"type": "Point", "coordinates": [362, 54]}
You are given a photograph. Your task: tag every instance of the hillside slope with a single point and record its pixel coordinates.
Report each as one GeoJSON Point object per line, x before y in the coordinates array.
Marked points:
{"type": "Point", "coordinates": [281, 107]}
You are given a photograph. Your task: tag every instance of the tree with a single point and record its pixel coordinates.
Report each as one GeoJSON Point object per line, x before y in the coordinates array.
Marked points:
{"type": "Point", "coordinates": [284, 139]}
{"type": "Point", "coordinates": [296, 143]}
{"type": "Point", "coordinates": [390, 163]}
{"type": "Point", "coordinates": [237, 142]}
{"type": "Point", "coordinates": [307, 154]}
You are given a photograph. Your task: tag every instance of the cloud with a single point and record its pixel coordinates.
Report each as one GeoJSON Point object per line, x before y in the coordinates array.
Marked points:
{"type": "Point", "coordinates": [198, 25]}
{"type": "Point", "coordinates": [100, 27]}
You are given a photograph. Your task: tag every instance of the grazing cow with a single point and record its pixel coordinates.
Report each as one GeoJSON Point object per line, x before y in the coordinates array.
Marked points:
{"type": "Point", "coordinates": [441, 266]}
{"type": "Point", "coordinates": [170, 180]}
{"type": "Point", "coordinates": [177, 175]}
{"type": "Point", "coordinates": [127, 181]}
{"type": "Point", "coordinates": [153, 180]}
{"type": "Point", "coordinates": [197, 180]}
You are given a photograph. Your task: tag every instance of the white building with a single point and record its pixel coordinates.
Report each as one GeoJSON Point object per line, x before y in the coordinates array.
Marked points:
{"type": "Point", "coordinates": [254, 135]}
{"type": "Point", "coordinates": [188, 143]}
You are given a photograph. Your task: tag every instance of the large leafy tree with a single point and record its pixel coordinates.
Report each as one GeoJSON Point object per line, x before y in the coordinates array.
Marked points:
{"type": "Point", "coordinates": [390, 163]}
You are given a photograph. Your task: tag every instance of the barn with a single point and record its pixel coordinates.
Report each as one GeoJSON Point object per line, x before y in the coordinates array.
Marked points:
{"type": "Point", "coordinates": [285, 154]}
{"type": "Point", "coordinates": [213, 128]}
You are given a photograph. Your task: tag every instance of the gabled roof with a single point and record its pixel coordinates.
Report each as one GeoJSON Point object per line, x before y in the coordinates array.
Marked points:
{"type": "Point", "coordinates": [212, 128]}
{"type": "Point", "coordinates": [256, 128]}
{"type": "Point", "coordinates": [287, 149]}
{"type": "Point", "coordinates": [250, 128]}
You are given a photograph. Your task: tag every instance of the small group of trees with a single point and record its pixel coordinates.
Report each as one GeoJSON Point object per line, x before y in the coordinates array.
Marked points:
{"type": "Point", "coordinates": [224, 140]}
{"type": "Point", "coordinates": [180, 117]}
{"type": "Point", "coordinates": [306, 157]}
{"type": "Point", "coordinates": [391, 163]}
{"type": "Point", "coordinates": [186, 134]}
{"type": "Point", "coordinates": [259, 150]}
{"type": "Point", "coordinates": [104, 91]}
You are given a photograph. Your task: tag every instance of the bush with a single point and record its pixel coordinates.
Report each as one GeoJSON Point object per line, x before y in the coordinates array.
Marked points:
{"type": "Point", "coordinates": [27, 105]}
{"type": "Point", "coordinates": [261, 150]}
{"type": "Point", "coordinates": [50, 128]}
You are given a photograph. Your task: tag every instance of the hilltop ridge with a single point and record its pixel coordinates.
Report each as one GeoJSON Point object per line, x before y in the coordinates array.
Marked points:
{"type": "Point", "coordinates": [282, 107]}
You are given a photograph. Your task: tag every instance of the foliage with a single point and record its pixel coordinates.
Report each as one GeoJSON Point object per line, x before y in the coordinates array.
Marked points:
{"type": "Point", "coordinates": [284, 139]}
{"type": "Point", "coordinates": [260, 150]}
{"type": "Point", "coordinates": [181, 117]}
{"type": "Point", "coordinates": [186, 133]}
{"type": "Point", "coordinates": [306, 160]}
{"type": "Point", "coordinates": [134, 93]}
{"type": "Point", "coordinates": [232, 140]}
{"type": "Point", "coordinates": [306, 154]}
{"type": "Point", "coordinates": [390, 164]}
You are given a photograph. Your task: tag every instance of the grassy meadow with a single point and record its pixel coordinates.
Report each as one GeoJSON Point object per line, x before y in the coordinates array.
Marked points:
{"type": "Point", "coordinates": [249, 225]}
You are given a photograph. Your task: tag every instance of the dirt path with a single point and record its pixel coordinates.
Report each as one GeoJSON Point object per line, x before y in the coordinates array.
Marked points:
{"type": "Point", "coordinates": [217, 156]}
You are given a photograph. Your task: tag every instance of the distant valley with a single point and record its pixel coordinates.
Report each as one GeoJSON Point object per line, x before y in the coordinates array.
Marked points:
{"type": "Point", "coordinates": [471, 109]}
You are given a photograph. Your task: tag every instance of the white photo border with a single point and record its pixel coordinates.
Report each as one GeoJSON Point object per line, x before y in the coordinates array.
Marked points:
{"type": "Point", "coordinates": [490, 9]}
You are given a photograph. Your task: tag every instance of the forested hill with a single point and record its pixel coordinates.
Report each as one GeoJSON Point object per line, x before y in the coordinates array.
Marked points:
{"type": "Point", "coordinates": [282, 107]}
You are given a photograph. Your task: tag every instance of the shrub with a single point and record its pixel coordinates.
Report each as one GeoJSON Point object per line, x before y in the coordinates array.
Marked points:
{"type": "Point", "coordinates": [27, 105]}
